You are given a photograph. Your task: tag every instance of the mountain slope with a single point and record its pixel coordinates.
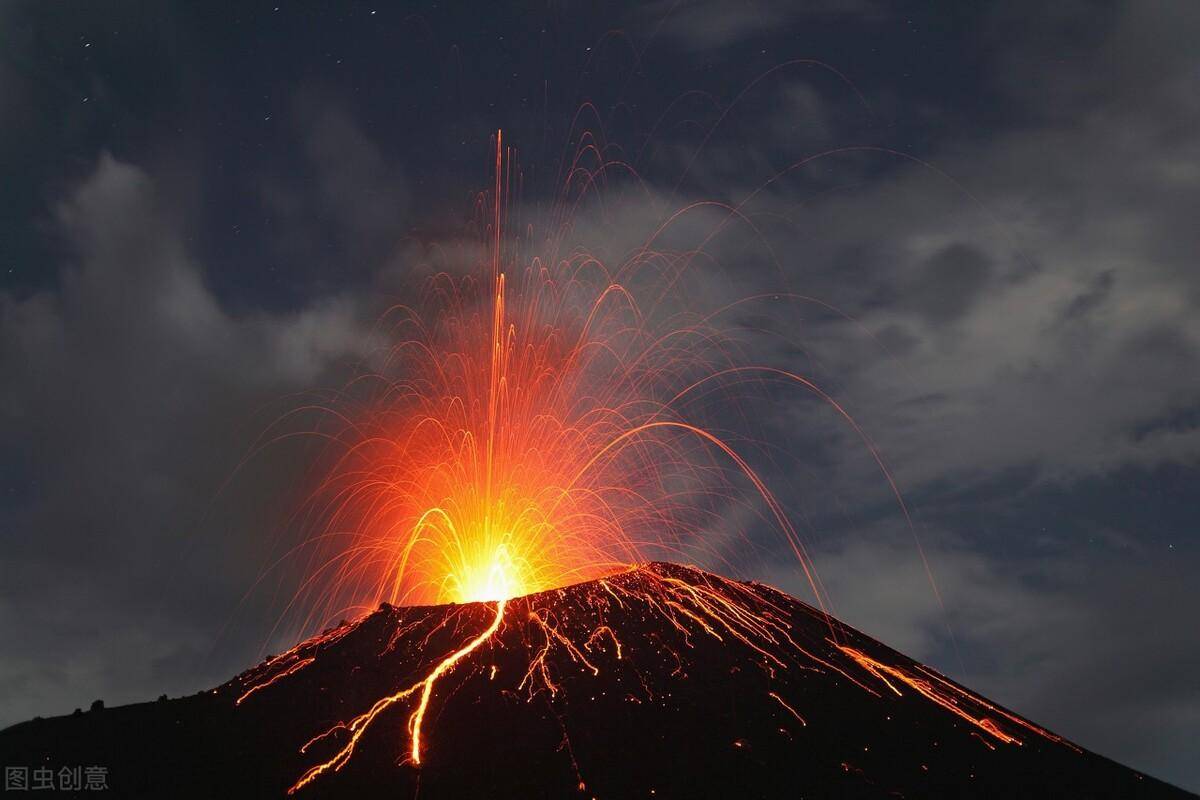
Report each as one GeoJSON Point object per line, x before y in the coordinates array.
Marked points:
{"type": "Point", "coordinates": [663, 681]}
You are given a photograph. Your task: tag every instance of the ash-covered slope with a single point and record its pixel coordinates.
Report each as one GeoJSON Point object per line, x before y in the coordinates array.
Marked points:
{"type": "Point", "coordinates": [663, 681]}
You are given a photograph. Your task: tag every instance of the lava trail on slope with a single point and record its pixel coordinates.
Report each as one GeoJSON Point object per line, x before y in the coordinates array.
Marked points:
{"type": "Point", "coordinates": [660, 681]}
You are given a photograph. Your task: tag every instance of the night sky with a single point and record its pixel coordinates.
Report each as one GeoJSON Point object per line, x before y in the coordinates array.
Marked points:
{"type": "Point", "coordinates": [204, 211]}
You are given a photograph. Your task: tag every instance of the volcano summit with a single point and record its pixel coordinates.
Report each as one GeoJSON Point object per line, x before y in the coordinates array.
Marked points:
{"type": "Point", "coordinates": [661, 681]}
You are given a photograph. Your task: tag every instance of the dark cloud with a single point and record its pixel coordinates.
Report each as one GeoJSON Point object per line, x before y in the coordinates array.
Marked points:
{"type": "Point", "coordinates": [711, 24]}
{"type": "Point", "coordinates": [131, 394]}
{"type": "Point", "coordinates": [948, 283]}
{"type": "Point", "coordinates": [349, 201]}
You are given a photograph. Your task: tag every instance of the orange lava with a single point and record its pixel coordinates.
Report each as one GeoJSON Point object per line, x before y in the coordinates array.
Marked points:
{"type": "Point", "coordinates": [587, 632]}
{"type": "Point", "coordinates": [291, 670]}
{"type": "Point", "coordinates": [530, 428]}
{"type": "Point", "coordinates": [953, 698]}
{"type": "Point", "coordinates": [445, 665]}
{"type": "Point", "coordinates": [358, 726]}
{"type": "Point", "coordinates": [790, 710]}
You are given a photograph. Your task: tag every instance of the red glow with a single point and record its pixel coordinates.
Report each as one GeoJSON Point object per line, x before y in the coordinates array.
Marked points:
{"type": "Point", "coordinates": [528, 429]}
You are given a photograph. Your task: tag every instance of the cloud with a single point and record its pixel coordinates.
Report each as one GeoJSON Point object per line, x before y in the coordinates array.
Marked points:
{"type": "Point", "coordinates": [947, 283]}
{"type": "Point", "coordinates": [712, 24]}
{"type": "Point", "coordinates": [1082, 644]}
{"type": "Point", "coordinates": [1044, 292]}
{"type": "Point", "coordinates": [1023, 304]}
{"type": "Point", "coordinates": [130, 392]}
{"type": "Point", "coordinates": [338, 205]}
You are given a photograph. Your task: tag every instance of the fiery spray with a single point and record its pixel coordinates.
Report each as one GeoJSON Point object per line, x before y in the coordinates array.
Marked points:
{"type": "Point", "coordinates": [529, 429]}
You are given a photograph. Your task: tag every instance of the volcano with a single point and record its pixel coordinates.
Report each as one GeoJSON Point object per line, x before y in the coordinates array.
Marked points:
{"type": "Point", "coordinates": [660, 681]}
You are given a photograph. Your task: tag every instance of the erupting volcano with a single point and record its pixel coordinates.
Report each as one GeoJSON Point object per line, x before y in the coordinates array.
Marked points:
{"type": "Point", "coordinates": [501, 492]}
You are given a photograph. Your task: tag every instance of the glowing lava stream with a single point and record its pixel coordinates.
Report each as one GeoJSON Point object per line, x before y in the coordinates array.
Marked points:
{"type": "Point", "coordinates": [948, 698]}
{"type": "Point", "coordinates": [359, 724]}
{"type": "Point", "coordinates": [414, 724]}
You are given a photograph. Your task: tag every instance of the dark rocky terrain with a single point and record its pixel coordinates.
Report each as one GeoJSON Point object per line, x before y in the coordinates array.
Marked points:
{"type": "Point", "coordinates": [663, 681]}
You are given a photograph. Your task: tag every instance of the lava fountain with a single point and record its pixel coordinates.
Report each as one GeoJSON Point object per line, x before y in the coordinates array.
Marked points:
{"type": "Point", "coordinates": [531, 427]}
{"type": "Point", "coordinates": [527, 429]}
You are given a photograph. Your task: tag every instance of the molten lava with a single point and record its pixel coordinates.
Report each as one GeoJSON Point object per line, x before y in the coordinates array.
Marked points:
{"type": "Point", "coordinates": [532, 426]}
{"type": "Point", "coordinates": [661, 681]}
{"type": "Point", "coordinates": [640, 635]}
